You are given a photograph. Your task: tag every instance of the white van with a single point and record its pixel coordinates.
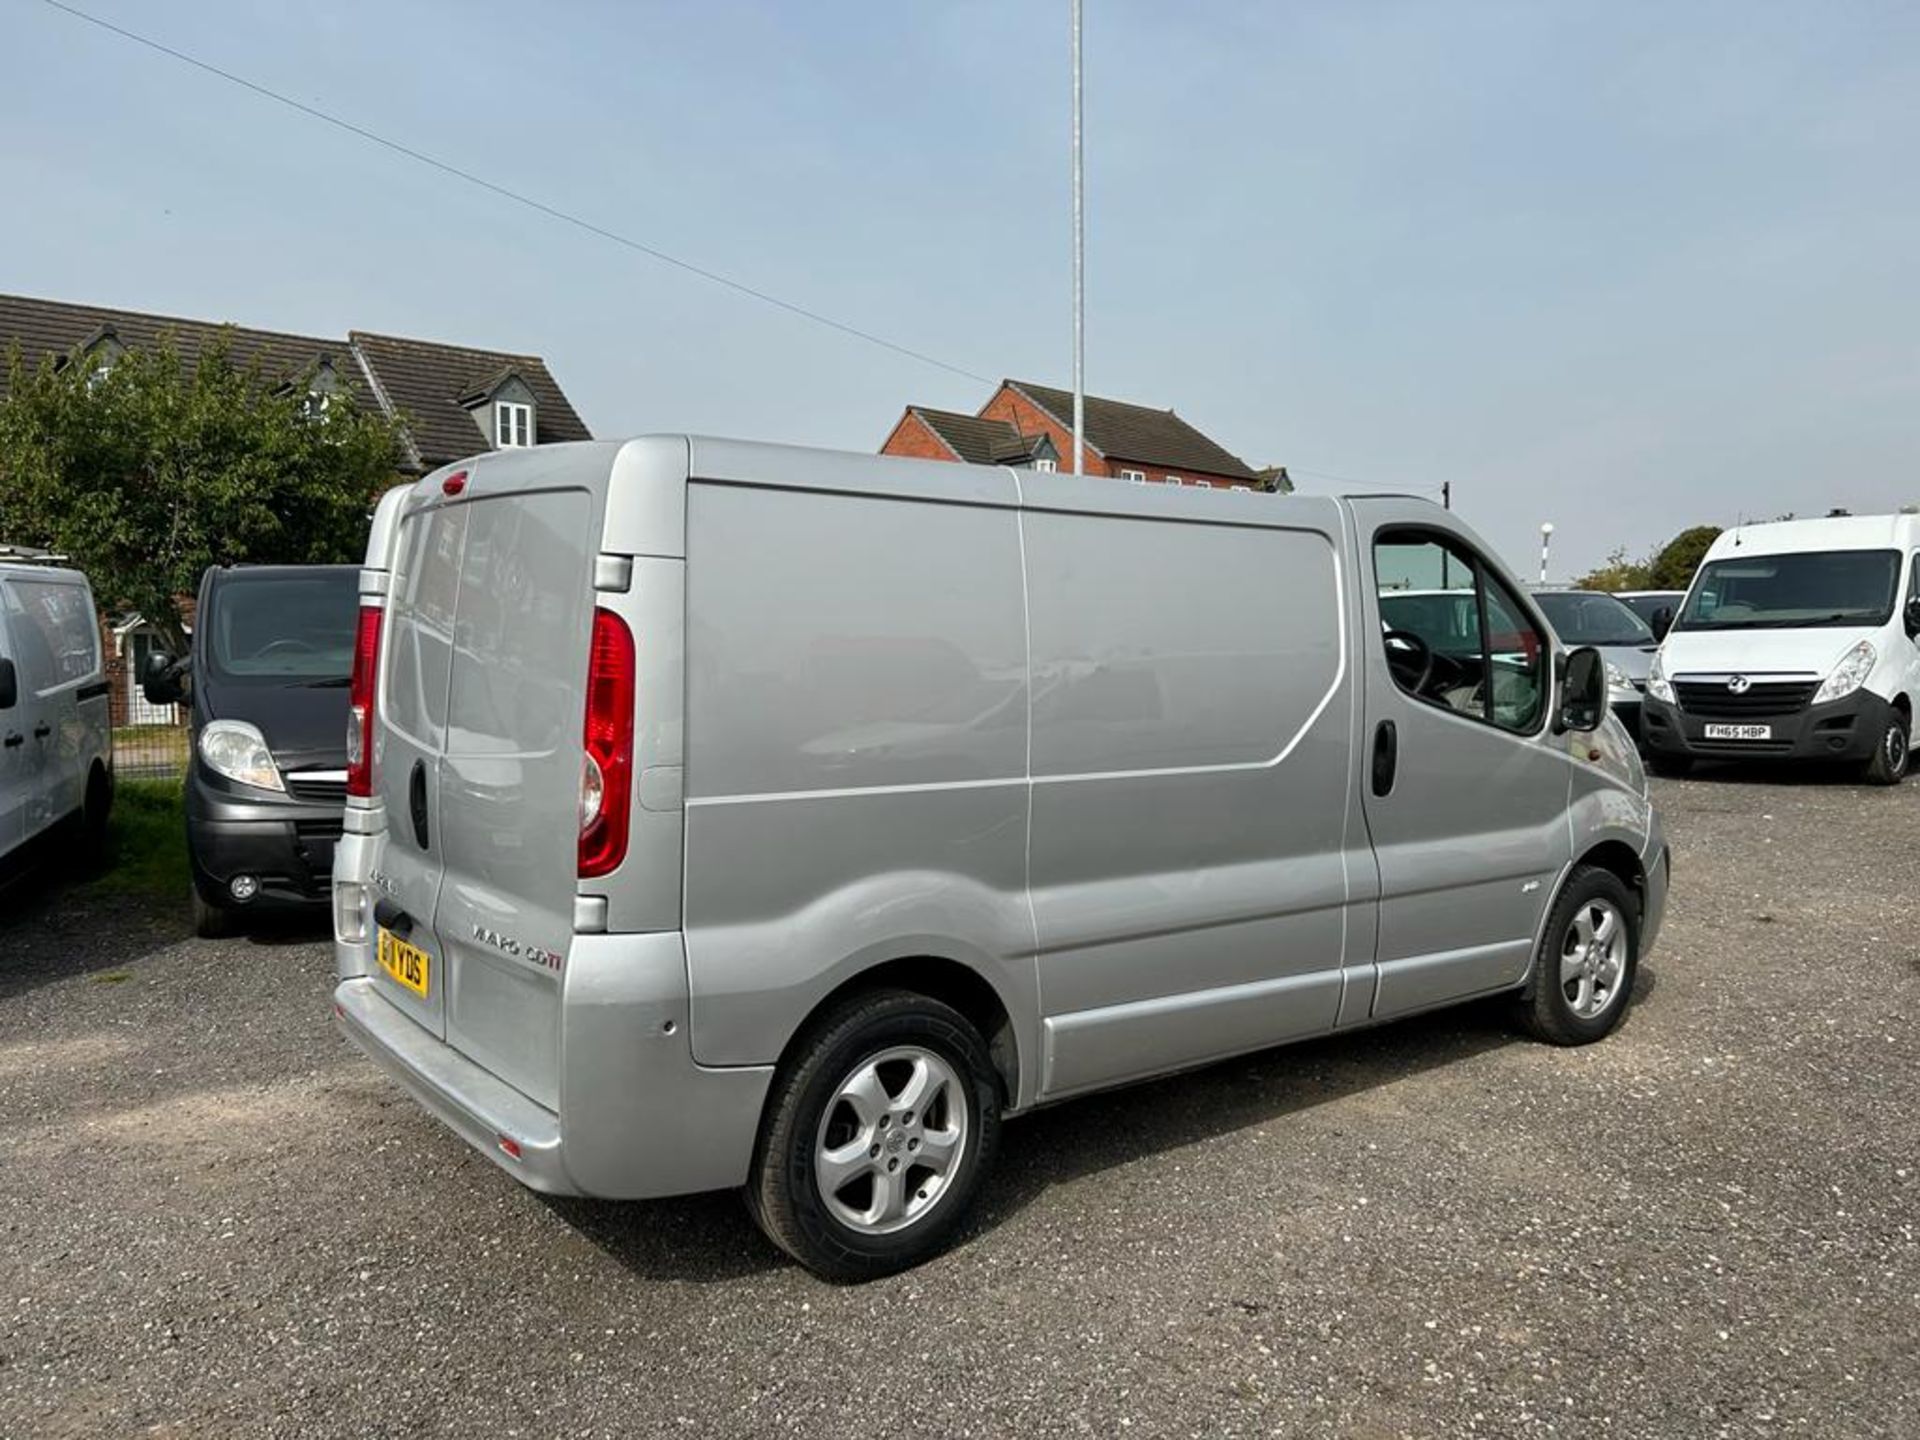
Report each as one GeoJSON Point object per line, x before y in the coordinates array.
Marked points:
{"type": "Point", "coordinates": [1798, 640]}
{"type": "Point", "coordinates": [56, 737]}
{"type": "Point", "coordinates": [730, 815]}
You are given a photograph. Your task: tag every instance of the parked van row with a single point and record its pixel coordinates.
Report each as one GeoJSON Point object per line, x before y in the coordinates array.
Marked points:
{"type": "Point", "coordinates": [735, 816]}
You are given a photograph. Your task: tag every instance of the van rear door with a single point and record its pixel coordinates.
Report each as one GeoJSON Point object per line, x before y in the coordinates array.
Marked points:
{"type": "Point", "coordinates": [411, 721]}
{"type": "Point", "coordinates": [480, 719]}
{"type": "Point", "coordinates": [508, 793]}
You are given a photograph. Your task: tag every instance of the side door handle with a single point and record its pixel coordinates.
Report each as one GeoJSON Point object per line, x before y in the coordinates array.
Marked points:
{"type": "Point", "coordinates": [14, 740]}
{"type": "Point", "coordinates": [42, 730]}
{"type": "Point", "coordinates": [1386, 756]}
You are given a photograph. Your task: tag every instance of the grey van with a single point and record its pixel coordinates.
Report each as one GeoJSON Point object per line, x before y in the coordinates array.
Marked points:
{"type": "Point", "coordinates": [729, 815]}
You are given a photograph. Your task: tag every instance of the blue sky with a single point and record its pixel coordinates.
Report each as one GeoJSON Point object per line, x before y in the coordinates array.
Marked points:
{"type": "Point", "coordinates": [1621, 267]}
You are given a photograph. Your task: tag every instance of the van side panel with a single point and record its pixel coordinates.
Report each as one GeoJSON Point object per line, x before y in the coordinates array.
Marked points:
{"type": "Point", "coordinates": [1191, 751]}
{"type": "Point", "coordinates": [856, 750]}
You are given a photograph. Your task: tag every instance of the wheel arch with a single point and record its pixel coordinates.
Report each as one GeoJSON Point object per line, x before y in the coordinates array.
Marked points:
{"type": "Point", "coordinates": [939, 977]}
{"type": "Point", "coordinates": [1614, 855]}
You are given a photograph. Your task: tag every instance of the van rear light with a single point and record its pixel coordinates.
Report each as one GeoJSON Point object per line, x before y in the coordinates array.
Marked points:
{"type": "Point", "coordinates": [606, 767]}
{"type": "Point", "coordinates": [366, 664]}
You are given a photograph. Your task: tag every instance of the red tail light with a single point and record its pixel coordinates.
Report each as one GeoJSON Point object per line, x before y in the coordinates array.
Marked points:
{"type": "Point", "coordinates": [606, 770]}
{"type": "Point", "coordinates": [366, 664]}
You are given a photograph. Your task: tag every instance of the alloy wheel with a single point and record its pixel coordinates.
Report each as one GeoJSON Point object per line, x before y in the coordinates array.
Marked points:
{"type": "Point", "coordinates": [891, 1139]}
{"type": "Point", "coordinates": [1593, 959]}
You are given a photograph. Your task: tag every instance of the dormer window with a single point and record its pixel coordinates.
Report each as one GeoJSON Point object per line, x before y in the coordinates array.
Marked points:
{"type": "Point", "coordinates": [512, 425]}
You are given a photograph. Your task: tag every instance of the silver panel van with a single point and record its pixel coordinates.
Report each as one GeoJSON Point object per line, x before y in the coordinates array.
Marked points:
{"type": "Point", "coordinates": [731, 815]}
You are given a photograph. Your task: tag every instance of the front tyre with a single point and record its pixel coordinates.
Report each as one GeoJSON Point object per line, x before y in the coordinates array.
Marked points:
{"type": "Point", "coordinates": [1589, 954]}
{"type": "Point", "coordinates": [210, 922]}
{"type": "Point", "coordinates": [1888, 765]}
{"type": "Point", "coordinates": [879, 1130]}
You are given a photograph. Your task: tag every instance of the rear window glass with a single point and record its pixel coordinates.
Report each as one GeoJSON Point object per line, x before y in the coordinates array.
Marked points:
{"type": "Point", "coordinates": [292, 629]}
{"type": "Point", "coordinates": [420, 626]}
{"type": "Point", "coordinates": [520, 629]}
{"type": "Point", "coordinates": [55, 633]}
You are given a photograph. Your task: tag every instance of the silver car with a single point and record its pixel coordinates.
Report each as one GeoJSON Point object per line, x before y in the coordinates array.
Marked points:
{"type": "Point", "coordinates": [734, 816]}
{"type": "Point", "coordinates": [1625, 641]}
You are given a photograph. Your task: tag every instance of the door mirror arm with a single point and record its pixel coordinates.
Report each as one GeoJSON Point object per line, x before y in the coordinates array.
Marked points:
{"type": "Point", "coordinates": [1582, 687]}
{"type": "Point", "coordinates": [1662, 622]}
{"type": "Point", "coordinates": [9, 685]}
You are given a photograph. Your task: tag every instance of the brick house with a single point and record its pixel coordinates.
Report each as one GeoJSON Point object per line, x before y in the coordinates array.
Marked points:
{"type": "Point", "coordinates": [451, 401]}
{"type": "Point", "coordinates": [1029, 425]}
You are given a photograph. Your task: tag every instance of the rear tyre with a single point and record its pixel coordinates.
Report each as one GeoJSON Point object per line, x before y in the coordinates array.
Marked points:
{"type": "Point", "coordinates": [1673, 767]}
{"type": "Point", "coordinates": [879, 1130]}
{"type": "Point", "coordinates": [1583, 973]}
{"type": "Point", "coordinates": [93, 819]}
{"type": "Point", "coordinates": [210, 922]}
{"type": "Point", "coordinates": [1891, 753]}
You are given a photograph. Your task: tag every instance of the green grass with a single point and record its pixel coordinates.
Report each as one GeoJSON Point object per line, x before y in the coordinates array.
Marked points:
{"type": "Point", "coordinates": [146, 841]}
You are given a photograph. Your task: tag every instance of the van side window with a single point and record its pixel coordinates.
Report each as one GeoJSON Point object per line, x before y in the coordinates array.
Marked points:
{"type": "Point", "coordinates": [1454, 636]}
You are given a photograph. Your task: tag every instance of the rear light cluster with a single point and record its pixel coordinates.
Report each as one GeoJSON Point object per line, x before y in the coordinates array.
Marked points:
{"type": "Point", "coordinates": [366, 664]}
{"type": "Point", "coordinates": [606, 769]}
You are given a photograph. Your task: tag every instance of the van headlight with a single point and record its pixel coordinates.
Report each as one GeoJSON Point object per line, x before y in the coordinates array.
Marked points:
{"type": "Point", "coordinates": [1617, 679]}
{"type": "Point", "coordinates": [239, 751]}
{"type": "Point", "coordinates": [1658, 686]}
{"type": "Point", "coordinates": [1849, 675]}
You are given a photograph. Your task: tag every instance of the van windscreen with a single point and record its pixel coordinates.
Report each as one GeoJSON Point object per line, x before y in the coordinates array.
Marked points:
{"type": "Point", "coordinates": [1793, 591]}
{"type": "Point", "coordinates": [286, 629]}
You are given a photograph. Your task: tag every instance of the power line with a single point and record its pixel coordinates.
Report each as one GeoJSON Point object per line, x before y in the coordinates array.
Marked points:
{"type": "Point", "coordinates": [551, 211]}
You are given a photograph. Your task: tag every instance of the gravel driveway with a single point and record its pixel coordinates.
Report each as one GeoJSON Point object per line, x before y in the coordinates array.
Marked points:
{"type": "Point", "coordinates": [215, 1218]}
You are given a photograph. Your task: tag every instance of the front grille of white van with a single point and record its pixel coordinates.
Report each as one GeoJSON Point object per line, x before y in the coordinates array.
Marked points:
{"type": "Point", "coordinates": [1713, 699]}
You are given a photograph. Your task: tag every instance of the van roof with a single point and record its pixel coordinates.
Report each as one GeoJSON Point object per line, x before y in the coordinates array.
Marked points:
{"type": "Point", "coordinates": [1834, 532]}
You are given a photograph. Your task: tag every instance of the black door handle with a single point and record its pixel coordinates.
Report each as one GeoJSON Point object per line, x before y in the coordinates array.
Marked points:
{"type": "Point", "coordinates": [388, 915]}
{"type": "Point", "coordinates": [41, 731]}
{"type": "Point", "coordinates": [417, 801]}
{"type": "Point", "coordinates": [14, 738]}
{"type": "Point", "coordinates": [1386, 756]}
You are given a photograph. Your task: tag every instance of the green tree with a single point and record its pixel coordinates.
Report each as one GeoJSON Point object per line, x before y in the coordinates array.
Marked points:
{"type": "Point", "coordinates": [1617, 573]}
{"type": "Point", "coordinates": [147, 471]}
{"type": "Point", "coordinates": [1673, 566]}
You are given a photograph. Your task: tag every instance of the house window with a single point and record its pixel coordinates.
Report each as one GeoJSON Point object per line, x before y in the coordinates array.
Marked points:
{"type": "Point", "coordinates": [1174, 480]}
{"type": "Point", "coordinates": [1204, 484]}
{"type": "Point", "coordinates": [1138, 477]}
{"type": "Point", "coordinates": [316, 405]}
{"type": "Point", "coordinates": [1046, 467]}
{"type": "Point", "coordinates": [512, 425]}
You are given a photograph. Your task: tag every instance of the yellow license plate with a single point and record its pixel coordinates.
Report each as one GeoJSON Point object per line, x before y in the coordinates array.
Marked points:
{"type": "Point", "coordinates": [408, 964]}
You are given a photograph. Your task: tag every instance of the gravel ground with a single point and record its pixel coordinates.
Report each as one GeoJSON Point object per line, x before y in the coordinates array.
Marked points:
{"type": "Point", "coordinates": [216, 1218]}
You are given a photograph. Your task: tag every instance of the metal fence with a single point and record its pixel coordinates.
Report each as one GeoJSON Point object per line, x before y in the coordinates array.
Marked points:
{"type": "Point", "coordinates": [155, 750]}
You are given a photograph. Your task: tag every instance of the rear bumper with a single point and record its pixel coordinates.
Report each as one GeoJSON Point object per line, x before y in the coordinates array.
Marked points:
{"type": "Point", "coordinates": [478, 1108]}
{"type": "Point", "coordinates": [638, 1118]}
{"type": "Point", "coordinates": [1847, 729]}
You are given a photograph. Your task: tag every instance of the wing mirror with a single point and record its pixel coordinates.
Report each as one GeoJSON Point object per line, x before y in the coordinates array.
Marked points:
{"type": "Point", "coordinates": [160, 679]}
{"type": "Point", "coordinates": [9, 685]}
{"type": "Point", "coordinates": [1912, 618]}
{"type": "Point", "coordinates": [1662, 622]}
{"type": "Point", "coordinates": [1583, 690]}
